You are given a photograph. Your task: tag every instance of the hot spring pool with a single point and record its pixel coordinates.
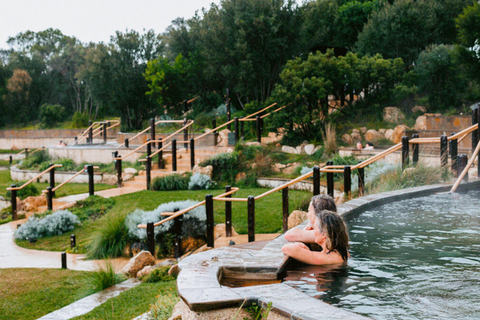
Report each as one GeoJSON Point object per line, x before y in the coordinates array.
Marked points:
{"type": "Point", "coordinates": [411, 259]}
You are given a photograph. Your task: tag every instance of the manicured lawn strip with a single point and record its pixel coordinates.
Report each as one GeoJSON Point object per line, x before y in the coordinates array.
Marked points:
{"type": "Point", "coordinates": [268, 214]}
{"type": "Point", "coordinates": [31, 293]}
{"type": "Point", "coordinates": [132, 303]}
{"type": "Point", "coordinates": [10, 151]}
{"type": "Point", "coordinates": [66, 190]}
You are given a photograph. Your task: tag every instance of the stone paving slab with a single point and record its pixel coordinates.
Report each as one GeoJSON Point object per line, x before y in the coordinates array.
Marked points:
{"type": "Point", "coordinates": [89, 303]}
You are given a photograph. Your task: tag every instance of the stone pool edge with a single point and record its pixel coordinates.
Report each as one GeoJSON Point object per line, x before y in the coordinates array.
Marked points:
{"type": "Point", "coordinates": [198, 283]}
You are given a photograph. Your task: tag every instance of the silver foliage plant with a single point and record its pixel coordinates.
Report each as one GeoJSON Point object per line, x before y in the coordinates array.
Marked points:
{"type": "Point", "coordinates": [200, 181]}
{"type": "Point", "coordinates": [194, 221]}
{"type": "Point", "coordinates": [51, 225]}
{"type": "Point", "coordinates": [373, 172]}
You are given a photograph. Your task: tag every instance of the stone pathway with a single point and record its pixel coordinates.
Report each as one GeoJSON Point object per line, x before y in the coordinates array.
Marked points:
{"type": "Point", "coordinates": [89, 303]}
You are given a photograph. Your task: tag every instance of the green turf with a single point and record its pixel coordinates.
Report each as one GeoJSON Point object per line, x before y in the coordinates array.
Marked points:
{"type": "Point", "coordinates": [32, 293]}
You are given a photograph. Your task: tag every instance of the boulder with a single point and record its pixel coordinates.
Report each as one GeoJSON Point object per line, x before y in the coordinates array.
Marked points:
{"type": "Point", "coordinates": [175, 270]}
{"type": "Point", "coordinates": [131, 171]}
{"type": "Point", "coordinates": [4, 204]}
{"type": "Point", "coordinates": [299, 149]}
{"type": "Point", "coordinates": [290, 169]}
{"type": "Point", "coordinates": [223, 137]}
{"type": "Point", "coordinates": [208, 170]}
{"type": "Point", "coordinates": [109, 179]}
{"type": "Point", "coordinates": [278, 167]}
{"type": "Point", "coordinates": [347, 138]}
{"type": "Point", "coordinates": [356, 137]}
{"type": "Point", "coordinates": [253, 143]}
{"type": "Point", "coordinates": [393, 115]}
{"type": "Point", "coordinates": [288, 149]}
{"type": "Point", "coordinates": [190, 244]}
{"type": "Point", "coordinates": [240, 176]}
{"type": "Point", "coordinates": [419, 109]}
{"type": "Point", "coordinates": [398, 133]}
{"type": "Point", "coordinates": [373, 135]}
{"type": "Point", "coordinates": [388, 133]}
{"type": "Point", "coordinates": [20, 205]}
{"type": "Point", "coordinates": [363, 130]}
{"type": "Point", "coordinates": [296, 217]}
{"type": "Point", "coordinates": [229, 150]}
{"type": "Point", "coordinates": [146, 270]}
{"type": "Point", "coordinates": [355, 131]}
{"type": "Point", "coordinates": [166, 263]}
{"type": "Point", "coordinates": [127, 177]}
{"type": "Point", "coordinates": [219, 231]}
{"type": "Point", "coordinates": [33, 203]}
{"type": "Point", "coordinates": [207, 130]}
{"type": "Point", "coordinates": [272, 135]}
{"type": "Point", "coordinates": [309, 149]}
{"type": "Point", "coordinates": [138, 262]}
{"type": "Point", "coordinates": [382, 131]}
{"type": "Point", "coordinates": [420, 123]}
{"type": "Point", "coordinates": [340, 198]}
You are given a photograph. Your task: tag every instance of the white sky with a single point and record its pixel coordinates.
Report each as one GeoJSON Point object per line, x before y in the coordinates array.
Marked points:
{"type": "Point", "coordinates": [92, 20]}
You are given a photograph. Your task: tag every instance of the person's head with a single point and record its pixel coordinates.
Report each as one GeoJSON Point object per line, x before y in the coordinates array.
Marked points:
{"type": "Point", "coordinates": [331, 228]}
{"type": "Point", "coordinates": [369, 144]}
{"type": "Point", "coordinates": [317, 204]}
{"type": "Point", "coordinates": [359, 145]}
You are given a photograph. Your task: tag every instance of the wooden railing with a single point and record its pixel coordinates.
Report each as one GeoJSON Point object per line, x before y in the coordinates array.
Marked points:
{"type": "Point", "coordinates": [36, 177]}
{"type": "Point", "coordinates": [96, 129]}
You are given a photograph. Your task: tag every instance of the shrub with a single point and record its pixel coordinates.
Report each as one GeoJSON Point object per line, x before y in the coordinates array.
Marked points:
{"type": "Point", "coordinates": [105, 277]}
{"type": "Point", "coordinates": [201, 181]}
{"type": "Point", "coordinates": [250, 181]}
{"type": "Point", "coordinates": [110, 240]}
{"type": "Point", "coordinates": [305, 170]}
{"type": "Point", "coordinates": [93, 207]}
{"type": "Point", "coordinates": [193, 221]}
{"type": "Point", "coordinates": [51, 115]}
{"type": "Point", "coordinates": [34, 160]}
{"type": "Point", "coordinates": [163, 307]}
{"type": "Point", "coordinates": [27, 191]}
{"type": "Point", "coordinates": [54, 224]}
{"type": "Point", "coordinates": [170, 182]}
{"type": "Point", "coordinates": [157, 275]}
{"type": "Point", "coordinates": [67, 165]}
{"type": "Point", "coordinates": [79, 120]}
{"type": "Point", "coordinates": [225, 166]}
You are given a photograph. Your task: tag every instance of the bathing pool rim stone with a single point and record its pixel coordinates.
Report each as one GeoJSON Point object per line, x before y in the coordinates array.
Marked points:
{"type": "Point", "coordinates": [198, 282]}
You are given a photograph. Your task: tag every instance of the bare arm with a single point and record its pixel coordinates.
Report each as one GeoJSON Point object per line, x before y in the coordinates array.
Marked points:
{"type": "Point", "coordinates": [301, 253]}
{"type": "Point", "coordinates": [297, 234]}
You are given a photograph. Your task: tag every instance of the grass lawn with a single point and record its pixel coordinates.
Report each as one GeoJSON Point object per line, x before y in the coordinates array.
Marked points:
{"type": "Point", "coordinates": [31, 293]}
{"type": "Point", "coordinates": [268, 214]}
{"type": "Point", "coordinates": [136, 301]}
{"type": "Point", "coordinates": [68, 189]}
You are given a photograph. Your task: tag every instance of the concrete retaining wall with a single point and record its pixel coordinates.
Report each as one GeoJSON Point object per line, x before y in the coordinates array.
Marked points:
{"type": "Point", "coordinates": [93, 154]}
{"type": "Point", "coordinates": [141, 139]}
{"type": "Point", "coordinates": [60, 176]}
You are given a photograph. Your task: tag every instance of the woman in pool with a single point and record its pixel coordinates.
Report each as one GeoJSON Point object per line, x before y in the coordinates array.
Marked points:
{"type": "Point", "coordinates": [319, 202]}
{"type": "Point", "coordinates": [330, 232]}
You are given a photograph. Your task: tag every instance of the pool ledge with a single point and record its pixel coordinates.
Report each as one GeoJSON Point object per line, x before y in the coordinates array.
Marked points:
{"type": "Point", "coordinates": [199, 285]}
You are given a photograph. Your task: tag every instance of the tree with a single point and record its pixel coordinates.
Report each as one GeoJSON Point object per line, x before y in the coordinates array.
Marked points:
{"type": "Point", "coordinates": [467, 25]}
{"type": "Point", "coordinates": [18, 87]}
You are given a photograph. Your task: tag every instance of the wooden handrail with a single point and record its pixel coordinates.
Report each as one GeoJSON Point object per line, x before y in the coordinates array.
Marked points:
{"type": "Point", "coordinates": [68, 180]}
{"type": "Point", "coordinates": [149, 127]}
{"type": "Point", "coordinates": [465, 170]}
{"type": "Point", "coordinates": [100, 132]}
{"type": "Point", "coordinates": [213, 130]}
{"type": "Point", "coordinates": [259, 111]}
{"type": "Point", "coordinates": [33, 179]}
{"type": "Point", "coordinates": [303, 177]}
{"type": "Point", "coordinates": [161, 149]}
{"type": "Point", "coordinates": [266, 115]}
{"type": "Point", "coordinates": [464, 131]}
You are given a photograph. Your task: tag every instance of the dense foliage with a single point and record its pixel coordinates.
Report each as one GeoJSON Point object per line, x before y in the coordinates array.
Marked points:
{"type": "Point", "coordinates": [53, 224]}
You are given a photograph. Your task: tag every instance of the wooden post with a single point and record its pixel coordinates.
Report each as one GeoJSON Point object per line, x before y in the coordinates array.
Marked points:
{"type": "Point", "coordinates": [443, 151]}
{"type": "Point", "coordinates": [148, 169]}
{"type": "Point", "coordinates": [118, 165]}
{"type": "Point", "coordinates": [462, 163]}
{"type": "Point", "coordinates": [91, 190]}
{"type": "Point", "coordinates": [316, 180]}
{"type": "Point", "coordinates": [185, 134]}
{"type": "Point", "coordinates": [251, 218]}
{"type": "Point", "coordinates": [177, 227]}
{"type": "Point", "coordinates": [259, 130]}
{"type": "Point", "coordinates": [361, 181]}
{"type": "Point", "coordinates": [415, 149]}
{"type": "Point", "coordinates": [192, 153]}
{"type": "Point", "coordinates": [285, 208]}
{"type": "Point", "coordinates": [330, 183]}
{"type": "Point", "coordinates": [214, 125]}
{"type": "Point", "coordinates": [151, 238]}
{"type": "Point", "coordinates": [64, 260]}
{"type": "Point", "coordinates": [13, 199]}
{"type": "Point", "coordinates": [26, 153]}
{"type": "Point", "coordinates": [160, 156]}
{"type": "Point", "coordinates": [90, 132]}
{"type": "Point", "coordinates": [229, 115]}
{"type": "Point", "coordinates": [104, 132]}
{"type": "Point", "coordinates": [453, 154]}
{"type": "Point", "coordinates": [52, 177]}
{"type": "Point", "coordinates": [152, 130]}
{"type": "Point", "coordinates": [237, 130]}
{"type": "Point", "coordinates": [10, 160]}
{"type": "Point", "coordinates": [405, 150]}
{"type": "Point", "coordinates": [127, 143]}
{"type": "Point", "coordinates": [209, 211]}
{"type": "Point", "coordinates": [347, 180]}
{"type": "Point", "coordinates": [49, 198]}
{"type": "Point", "coordinates": [149, 148]}
{"type": "Point", "coordinates": [174, 155]}
{"type": "Point", "coordinates": [228, 213]}
{"type": "Point", "coordinates": [242, 129]}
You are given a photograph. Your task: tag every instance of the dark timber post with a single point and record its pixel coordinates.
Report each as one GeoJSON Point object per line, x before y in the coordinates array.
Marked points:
{"type": "Point", "coordinates": [104, 132]}
{"type": "Point", "coordinates": [26, 153]}
{"type": "Point", "coordinates": [475, 132]}
{"type": "Point", "coordinates": [405, 150]}
{"type": "Point", "coordinates": [90, 180]}
{"type": "Point", "coordinates": [453, 154]}
{"type": "Point", "coordinates": [347, 180]}
{"type": "Point", "coordinates": [229, 115]}
{"type": "Point", "coordinates": [192, 153]}
{"type": "Point", "coordinates": [49, 198]}
{"type": "Point", "coordinates": [10, 160]}
{"type": "Point", "coordinates": [214, 125]}
{"type": "Point", "coordinates": [73, 241]}
{"type": "Point", "coordinates": [462, 163]}
{"type": "Point", "coordinates": [228, 213]}
{"type": "Point", "coordinates": [13, 199]}
{"type": "Point", "coordinates": [151, 238]}
{"type": "Point", "coordinates": [118, 163]}
{"type": "Point", "coordinates": [209, 211]}
{"type": "Point", "coordinates": [251, 218]}
{"type": "Point", "coordinates": [52, 177]}
{"type": "Point", "coordinates": [64, 260]}
{"type": "Point", "coordinates": [152, 130]}
{"type": "Point", "coordinates": [242, 129]}
{"type": "Point", "coordinates": [174, 155]}
{"type": "Point", "coordinates": [285, 208]}
{"type": "Point", "coordinates": [443, 151]}
{"type": "Point", "coordinates": [316, 180]}
{"type": "Point", "coordinates": [185, 134]}
{"type": "Point", "coordinates": [361, 181]}
{"type": "Point", "coordinates": [90, 132]}
{"type": "Point", "coordinates": [160, 155]}
{"type": "Point", "coordinates": [177, 226]}
{"type": "Point", "coordinates": [237, 130]}
{"type": "Point", "coordinates": [185, 107]}
{"type": "Point", "coordinates": [149, 148]}
{"type": "Point", "coordinates": [126, 143]}
{"type": "Point", "coordinates": [415, 149]}
{"type": "Point", "coordinates": [330, 190]}
{"type": "Point", "coordinates": [259, 129]}
{"type": "Point", "coordinates": [148, 169]}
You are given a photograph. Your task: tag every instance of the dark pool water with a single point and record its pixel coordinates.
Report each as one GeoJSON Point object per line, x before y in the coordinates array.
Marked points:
{"type": "Point", "coordinates": [412, 259]}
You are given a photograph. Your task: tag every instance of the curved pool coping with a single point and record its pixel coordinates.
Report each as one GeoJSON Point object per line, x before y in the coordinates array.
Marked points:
{"type": "Point", "coordinates": [198, 282]}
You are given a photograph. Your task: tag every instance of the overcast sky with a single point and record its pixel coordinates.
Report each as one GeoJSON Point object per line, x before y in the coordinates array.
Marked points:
{"type": "Point", "coordinates": [92, 20]}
